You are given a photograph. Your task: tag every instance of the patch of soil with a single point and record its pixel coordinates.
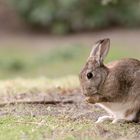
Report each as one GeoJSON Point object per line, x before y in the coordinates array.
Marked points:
{"type": "Point", "coordinates": [69, 103]}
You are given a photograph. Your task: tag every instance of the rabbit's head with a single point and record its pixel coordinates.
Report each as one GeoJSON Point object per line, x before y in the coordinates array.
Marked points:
{"type": "Point", "coordinates": [94, 72]}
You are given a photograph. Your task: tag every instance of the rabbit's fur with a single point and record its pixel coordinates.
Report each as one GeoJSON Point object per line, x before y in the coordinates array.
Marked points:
{"type": "Point", "coordinates": [114, 87]}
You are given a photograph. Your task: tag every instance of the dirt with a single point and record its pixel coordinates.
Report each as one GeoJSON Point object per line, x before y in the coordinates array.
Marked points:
{"type": "Point", "coordinates": [71, 104]}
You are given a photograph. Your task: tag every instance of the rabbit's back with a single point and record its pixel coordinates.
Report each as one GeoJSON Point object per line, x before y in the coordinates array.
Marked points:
{"type": "Point", "coordinates": [129, 63]}
{"type": "Point", "coordinates": [127, 69]}
{"type": "Point", "coordinates": [124, 77]}
{"type": "Point", "coordinates": [123, 88]}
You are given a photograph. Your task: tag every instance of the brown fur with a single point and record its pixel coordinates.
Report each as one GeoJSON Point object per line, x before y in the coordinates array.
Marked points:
{"type": "Point", "coordinates": [118, 81]}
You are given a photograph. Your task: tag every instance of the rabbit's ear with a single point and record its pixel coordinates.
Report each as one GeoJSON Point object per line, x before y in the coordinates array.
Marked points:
{"type": "Point", "coordinates": [100, 50]}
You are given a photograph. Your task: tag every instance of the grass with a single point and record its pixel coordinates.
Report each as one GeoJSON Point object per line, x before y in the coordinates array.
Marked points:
{"type": "Point", "coordinates": [40, 128]}
{"type": "Point", "coordinates": [62, 128]}
{"type": "Point", "coordinates": [52, 63]}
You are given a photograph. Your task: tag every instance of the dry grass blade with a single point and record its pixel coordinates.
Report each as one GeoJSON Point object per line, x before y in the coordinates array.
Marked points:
{"type": "Point", "coordinates": [35, 123]}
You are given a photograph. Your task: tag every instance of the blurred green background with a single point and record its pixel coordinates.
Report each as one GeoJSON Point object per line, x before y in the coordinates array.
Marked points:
{"type": "Point", "coordinates": [53, 38]}
{"type": "Point", "coordinates": [54, 62]}
{"type": "Point", "coordinates": [63, 16]}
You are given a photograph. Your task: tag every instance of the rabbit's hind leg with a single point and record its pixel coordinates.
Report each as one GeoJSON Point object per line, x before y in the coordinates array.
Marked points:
{"type": "Point", "coordinates": [130, 115]}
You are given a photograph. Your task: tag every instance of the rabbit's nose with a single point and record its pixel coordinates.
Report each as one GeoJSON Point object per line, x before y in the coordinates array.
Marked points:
{"type": "Point", "coordinates": [89, 91]}
{"type": "Point", "coordinates": [87, 94]}
{"type": "Point", "coordinates": [92, 91]}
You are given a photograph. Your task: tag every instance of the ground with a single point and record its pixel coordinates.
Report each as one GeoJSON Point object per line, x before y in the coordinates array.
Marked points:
{"type": "Point", "coordinates": [35, 105]}
{"type": "Point", "coordinates": [58, 113]}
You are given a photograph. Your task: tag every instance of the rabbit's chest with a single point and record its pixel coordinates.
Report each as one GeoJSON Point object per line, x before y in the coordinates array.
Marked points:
{"type": "Point", "coordinates": [117, 110]}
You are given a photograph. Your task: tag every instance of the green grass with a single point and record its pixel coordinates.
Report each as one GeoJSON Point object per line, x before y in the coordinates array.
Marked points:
{"type": "Point", "coordinates": [62, 128]}
{"type": "Point", "coordinates": [40, 128]}
{"type": "Point", "coordinates": [56, 62]}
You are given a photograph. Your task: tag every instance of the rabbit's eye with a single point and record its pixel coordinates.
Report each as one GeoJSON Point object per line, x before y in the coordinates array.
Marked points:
{"type": "Point", "coordinates": [89, 75]}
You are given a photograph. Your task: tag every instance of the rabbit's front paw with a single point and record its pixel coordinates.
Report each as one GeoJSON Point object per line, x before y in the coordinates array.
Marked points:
{"type": "Point", "coordinates": [103, 118]}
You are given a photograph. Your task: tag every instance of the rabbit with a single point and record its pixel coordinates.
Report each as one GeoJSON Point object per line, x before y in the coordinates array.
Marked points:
{"type": "Point", "coordinates": [115, 87]}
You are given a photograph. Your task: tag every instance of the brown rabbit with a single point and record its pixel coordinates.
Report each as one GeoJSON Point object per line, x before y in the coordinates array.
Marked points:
{"type": "Point", "coordinates": [114, 87]}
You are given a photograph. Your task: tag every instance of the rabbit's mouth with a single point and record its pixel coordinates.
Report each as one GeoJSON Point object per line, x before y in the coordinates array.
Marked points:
{"type": "Point", "coordinates": [91, 93]}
